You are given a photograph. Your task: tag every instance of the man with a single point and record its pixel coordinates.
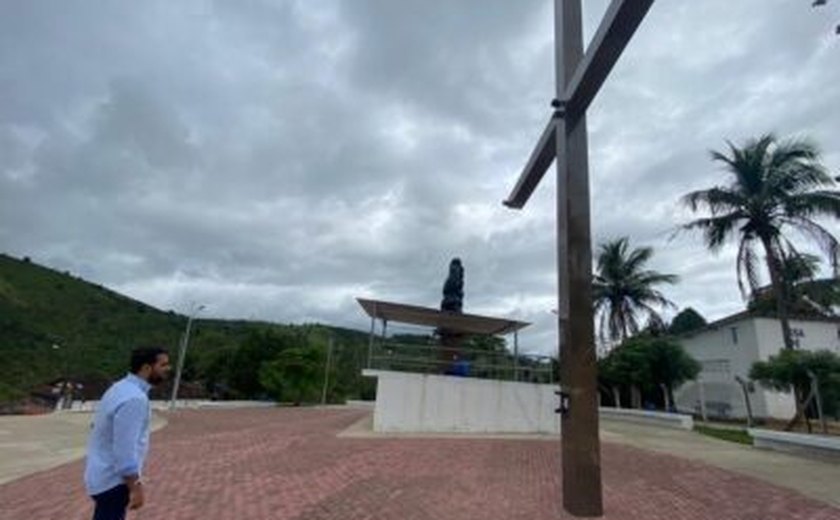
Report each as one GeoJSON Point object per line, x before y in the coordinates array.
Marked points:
{"type": "Point", "coordinates": [119, 439]}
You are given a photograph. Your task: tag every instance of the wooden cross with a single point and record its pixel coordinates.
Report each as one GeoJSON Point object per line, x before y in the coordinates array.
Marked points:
{"type": "Point", "coordinates": [579, 77]}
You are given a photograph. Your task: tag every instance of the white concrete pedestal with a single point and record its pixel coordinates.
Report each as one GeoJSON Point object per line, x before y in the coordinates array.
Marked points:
{"type": "Point", "coordinates": [408, 402]}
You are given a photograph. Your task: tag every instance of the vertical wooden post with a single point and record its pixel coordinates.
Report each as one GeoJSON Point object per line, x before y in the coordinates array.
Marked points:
{"type": "Point", "coordinates": [581, 451]}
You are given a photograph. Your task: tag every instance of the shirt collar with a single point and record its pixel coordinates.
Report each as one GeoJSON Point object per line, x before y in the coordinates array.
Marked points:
{"type": "Point", "coordinates": [140, 382]}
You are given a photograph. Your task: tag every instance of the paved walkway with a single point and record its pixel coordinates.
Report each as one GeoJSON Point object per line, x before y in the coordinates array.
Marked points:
{"type": "Point", "coordinates": [33, 443]}
{"type": "Point", "coordinates": [290, 464]}
{"type": "Point", "coordinates": [814, 478]}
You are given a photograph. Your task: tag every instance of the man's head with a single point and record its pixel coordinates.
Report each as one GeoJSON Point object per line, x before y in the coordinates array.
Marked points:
{"type": "Point", "coordinates": [151, 364]}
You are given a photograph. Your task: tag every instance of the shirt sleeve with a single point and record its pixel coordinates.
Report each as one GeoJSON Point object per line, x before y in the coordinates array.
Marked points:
{"type": "Point", "coordinates": [128, 429]}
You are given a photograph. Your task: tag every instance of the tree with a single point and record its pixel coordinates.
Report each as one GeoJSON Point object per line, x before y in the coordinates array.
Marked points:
{"type": "Point", "coordinates": [670, 366]}
{"type": "Point", "coordinates": [624, 291]}
{"type": "Point", "coordinates": [214, 368]}
{"type": "Point", "coordinates": [647, 363]}
{"type": "Point", "coordinates": [609, 380]}
{"type": "Point", "coordinates": [789, 371]}
{"type": "Point", "coordinates": [807, 295]}
{"type": "Point", "coordinates": [821, 3]}
{"type": "Point", "coordinates": [687, 320]}
{"type": "Point", "coordinates": [294, 375]}
{"type": "Point", "coordinates": [625, 366]}
{"type": "Point", "coordinates": [776, 186]}
{"type": "Point", "coordinates": [257, 348]}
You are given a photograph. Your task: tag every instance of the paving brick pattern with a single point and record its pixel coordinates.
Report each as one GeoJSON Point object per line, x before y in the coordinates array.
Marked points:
{"type": "Point", "coordinates": [289, 464]}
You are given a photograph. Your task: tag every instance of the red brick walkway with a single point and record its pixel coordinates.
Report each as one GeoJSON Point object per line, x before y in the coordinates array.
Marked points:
{"type": "Point", "coordinates": [288, 464]}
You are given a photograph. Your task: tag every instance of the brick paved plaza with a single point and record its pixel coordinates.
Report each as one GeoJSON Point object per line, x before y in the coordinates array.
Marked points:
{"type": "Point", "coordinates": [288, 464]}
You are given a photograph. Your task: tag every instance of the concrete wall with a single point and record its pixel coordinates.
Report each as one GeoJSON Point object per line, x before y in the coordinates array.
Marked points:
{"type": "Point", "coordinates": [157, 404]}
{"type": "Point", "coordinates": [407, 402]}
{"type": "Point", "coordinates": [647, 417]}
{"type": "Point", "coordinates": [723, 352]}
{"type": "Point", "coordinates": [820, 447]}
{"type": "Point", "coordinates": [780, 405]}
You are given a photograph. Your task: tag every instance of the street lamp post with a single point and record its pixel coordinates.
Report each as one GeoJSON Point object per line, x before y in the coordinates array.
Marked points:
{"type": "Point", "coordinates": [327, 371]}
{"type": "Point", "coordinates": [182, 354]}
{"type": "Point", "coordinates": [62, 391]}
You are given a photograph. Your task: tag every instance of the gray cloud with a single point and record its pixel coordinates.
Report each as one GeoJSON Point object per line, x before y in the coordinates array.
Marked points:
{"type": "Point", "coordinates": [274, 159]}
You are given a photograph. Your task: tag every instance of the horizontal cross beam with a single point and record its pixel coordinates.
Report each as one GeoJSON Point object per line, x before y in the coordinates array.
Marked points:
{"type": "Point", "coordinates": [539, 162]}
{"type": "Point", "coordinates": [617, 27]}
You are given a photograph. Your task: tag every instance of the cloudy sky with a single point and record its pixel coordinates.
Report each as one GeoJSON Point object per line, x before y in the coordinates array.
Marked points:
{"type": "Point", "coordinates": [275, 159]}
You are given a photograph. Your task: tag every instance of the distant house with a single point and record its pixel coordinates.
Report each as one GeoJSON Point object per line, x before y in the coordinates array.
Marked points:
{"type": "Point", "coordinates": [728, 347]}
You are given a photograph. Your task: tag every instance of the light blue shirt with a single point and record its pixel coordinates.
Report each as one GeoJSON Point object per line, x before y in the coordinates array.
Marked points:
{"type": "Point", "coordinates": [119, 439]}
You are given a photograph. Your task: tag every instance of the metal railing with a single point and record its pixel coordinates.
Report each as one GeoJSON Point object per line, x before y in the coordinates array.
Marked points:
{"type": "Point", "coordinates": [464, 362]}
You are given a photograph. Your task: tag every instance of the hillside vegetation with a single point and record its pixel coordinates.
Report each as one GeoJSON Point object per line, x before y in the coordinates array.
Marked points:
{"type": "Point", "coordinates": [54, 325]}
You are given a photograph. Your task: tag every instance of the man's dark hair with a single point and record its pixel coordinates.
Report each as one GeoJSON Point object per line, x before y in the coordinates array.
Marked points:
{"type": "Point", "coordinates": [145, 356]}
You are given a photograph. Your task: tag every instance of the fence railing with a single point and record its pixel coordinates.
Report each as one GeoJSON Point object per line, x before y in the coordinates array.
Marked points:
{"type": "Point", "coordinates": [463, 362]}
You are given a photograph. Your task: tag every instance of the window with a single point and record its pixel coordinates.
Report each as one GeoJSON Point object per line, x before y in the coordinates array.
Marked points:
{"type": "Point", "coordinates": [716, 366]}
{"type": "Point", "coordinates": [734, 331]}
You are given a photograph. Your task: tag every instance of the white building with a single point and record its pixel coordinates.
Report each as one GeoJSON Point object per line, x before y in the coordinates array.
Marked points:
{"type": "Point", "coordinates": [728, 347]}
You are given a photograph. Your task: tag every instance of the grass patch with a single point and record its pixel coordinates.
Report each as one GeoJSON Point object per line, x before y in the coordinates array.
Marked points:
{"type": "Point", "coordinates": [726, 434]}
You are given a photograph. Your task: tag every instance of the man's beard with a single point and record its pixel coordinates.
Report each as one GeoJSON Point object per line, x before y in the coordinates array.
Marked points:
{"type": "Point", "coordinates": [155, 379]}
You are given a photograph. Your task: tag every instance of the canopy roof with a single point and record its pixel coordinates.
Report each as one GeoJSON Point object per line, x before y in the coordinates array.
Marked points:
{"type": "Point", "coordinates": [450, 321]}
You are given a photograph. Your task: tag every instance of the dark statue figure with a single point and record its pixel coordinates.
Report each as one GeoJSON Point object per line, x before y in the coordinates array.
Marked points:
{"type": "Point", "coordinates": [453, 288]}
{"type": "Point", "coordinates": [450, 341]}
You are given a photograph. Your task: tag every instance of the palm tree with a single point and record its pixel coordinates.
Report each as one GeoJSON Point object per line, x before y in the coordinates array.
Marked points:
{"type": "Point", "coordinates": [807, 294]}
{"type": "Point", "coordinates": [775, 186]}
{"type": "Point", "coordinates": [821, 3]}
{"type": "Point", "coordinates": [624, 291]}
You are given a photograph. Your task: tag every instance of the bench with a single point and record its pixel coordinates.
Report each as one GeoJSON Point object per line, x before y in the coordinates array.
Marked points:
{"type": "Point", "coordinates": [651, 418]}
{"type": "Point", "coordinates": [816, 446]}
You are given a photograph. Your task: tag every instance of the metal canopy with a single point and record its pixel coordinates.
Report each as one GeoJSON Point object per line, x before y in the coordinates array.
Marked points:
{"type": "Point", "coordinates": [429, 317]}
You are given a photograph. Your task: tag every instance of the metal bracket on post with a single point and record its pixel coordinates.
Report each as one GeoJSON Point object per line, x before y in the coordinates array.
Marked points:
{"type": "Point", "coordinates": [559, 109]}
{"type": "Point", "coordinates": [563, 410]}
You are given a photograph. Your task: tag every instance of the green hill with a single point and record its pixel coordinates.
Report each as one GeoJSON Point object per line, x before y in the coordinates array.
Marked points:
{"type": "Point", "coordinates": [55, 325]}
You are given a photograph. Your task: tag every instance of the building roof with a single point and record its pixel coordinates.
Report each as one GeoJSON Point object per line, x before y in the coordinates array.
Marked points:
{"type": "Point", "coordinates": [749, 315]}
{"type": "Point", "coordinates": [446, 320]}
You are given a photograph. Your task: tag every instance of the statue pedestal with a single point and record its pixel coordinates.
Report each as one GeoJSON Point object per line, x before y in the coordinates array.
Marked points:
{"type": "Point", "coordinates": [410, 402]}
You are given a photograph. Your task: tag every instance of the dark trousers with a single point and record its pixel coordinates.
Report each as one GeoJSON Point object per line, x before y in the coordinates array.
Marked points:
{"type": "Point", "coordinates": [111, 504]}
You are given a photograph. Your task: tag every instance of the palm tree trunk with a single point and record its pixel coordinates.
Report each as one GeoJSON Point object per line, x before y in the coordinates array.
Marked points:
{"type": "Point", "coordinates": [665, 397]}
{"type": "Point", "coordinates": [780, 289]}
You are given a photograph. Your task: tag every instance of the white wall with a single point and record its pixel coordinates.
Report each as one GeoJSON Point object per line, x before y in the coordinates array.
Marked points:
{"type": "Point", "coordinates": [723, 352]}
{"type": "Point", "coordinates": [757, 339]}
{"type": "Point", "coordinates": [407, 402]}
{"type": "Point", "coordinates": [808, 335]}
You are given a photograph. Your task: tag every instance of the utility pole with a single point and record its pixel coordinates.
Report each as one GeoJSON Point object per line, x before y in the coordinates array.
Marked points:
{"type": "Point", "coordinates": [185, 339]}
{"type": "Point", "coordinates": [327, 371]}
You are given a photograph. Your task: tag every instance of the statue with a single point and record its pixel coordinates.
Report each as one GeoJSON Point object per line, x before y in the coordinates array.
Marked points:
{"type": "Point", "coordinates": [453, 301]}
{"type": "Point", "coordinates": [453, 288]}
